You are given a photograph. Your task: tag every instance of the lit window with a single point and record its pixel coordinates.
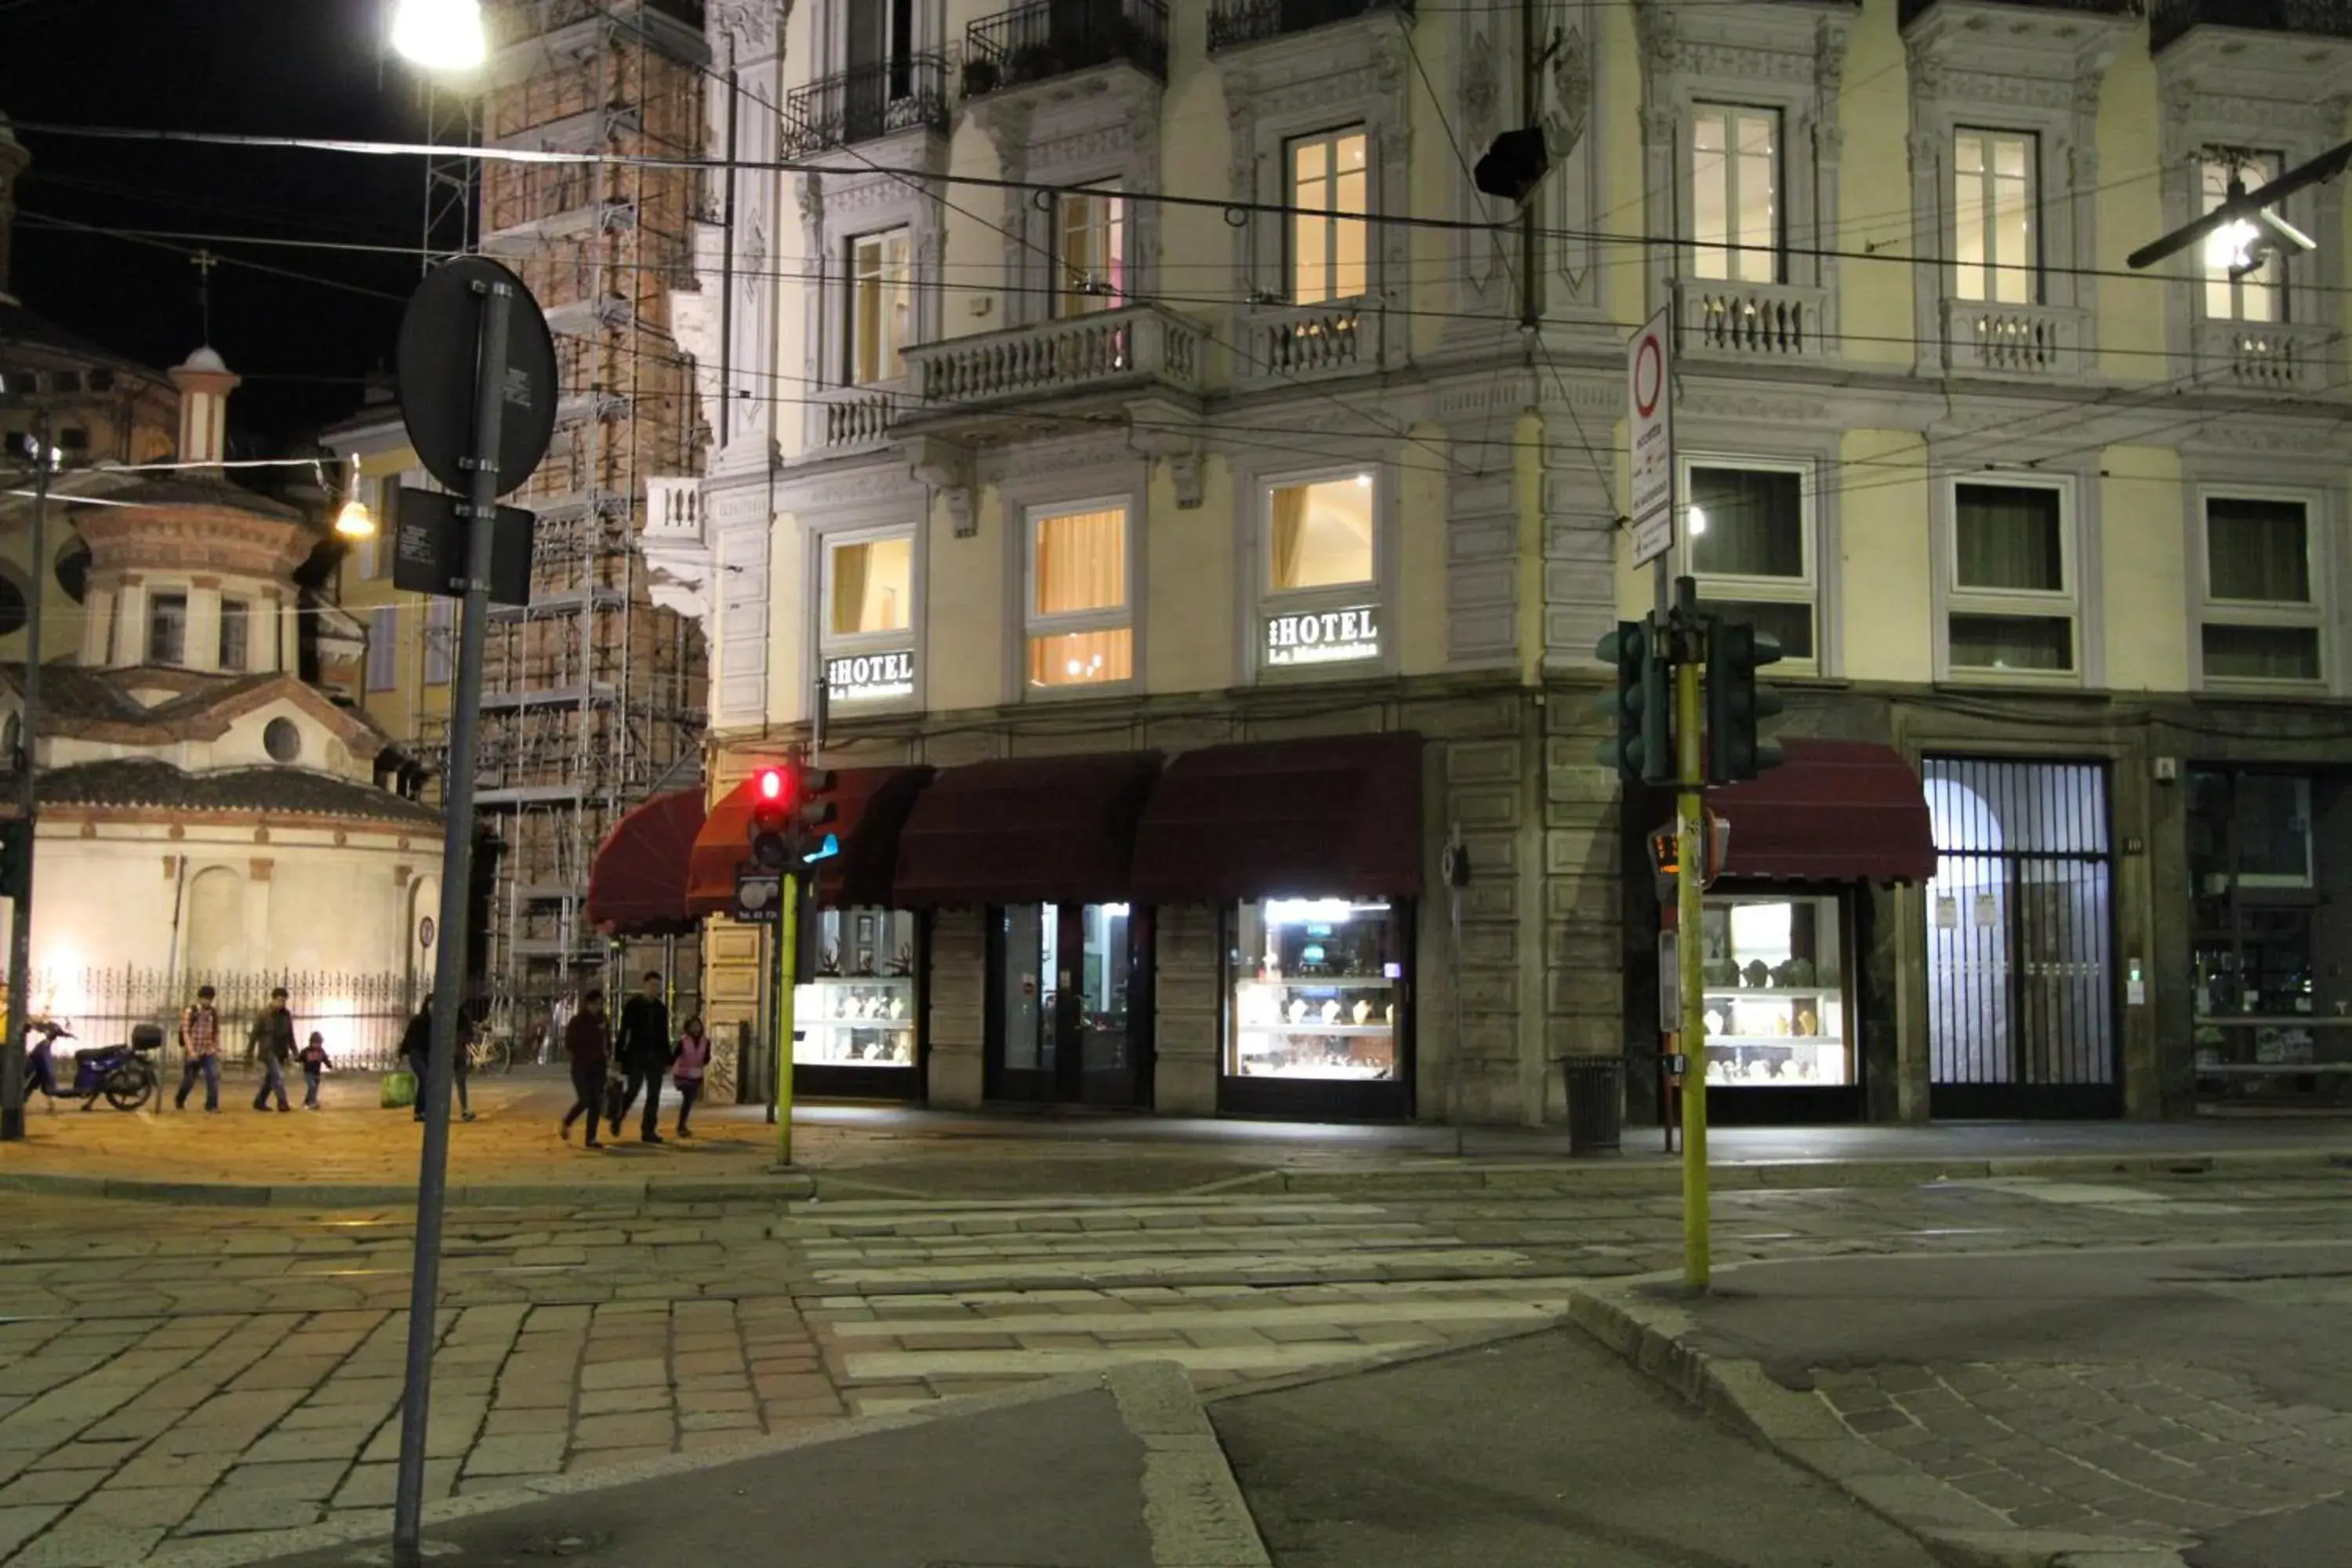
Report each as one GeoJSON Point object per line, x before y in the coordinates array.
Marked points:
{"type": "Point", "coordinates": [1995, 249]}
{"type": "Point", "coordinates": [1080, 628]}
{"type": "Point", "coordinates": [879, 306]}
{"type": "Point", "coordinates": [1331, 186]}
{"type": "Point", "coordinates": [2012, 604]}
{"type": "Point", "coordinates": [2261, 619]}
{"type": "Point", "coordinates": [2260, 294]}
{"type": "Point", "coordinates": [871, 585]}
{"type": "Point", "coordinates": [233, 638]}
{"type": "Point", "coordinates": [1751, 550]}
{"type": "Point", "coordinates": [1735, 192]}
{"type": "Point", "coordinates": [1322, 533]}
{"type": "Point", "coordinates": [1090, 252]}
{"type": "Point", "coordinates": [167, 629]}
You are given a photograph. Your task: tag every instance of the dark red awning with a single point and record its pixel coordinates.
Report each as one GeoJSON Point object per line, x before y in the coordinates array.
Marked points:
{"type": "Point", "coordinates": [1834, 811]}
{"type": "Point", "coordinates": [1338, 816]}
{"type": "Point", "coordinates": [1024, 830]}
{"type": "Point", "coordinates": [870, 806]}
{"type": "Point", "coordinates": [637, 884]}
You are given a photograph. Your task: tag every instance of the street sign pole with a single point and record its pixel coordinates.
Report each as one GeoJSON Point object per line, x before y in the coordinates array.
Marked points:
{"type": "Point", "coordinates": [788, 941]}
{"type": "Point", "coordinates": [449, 965]}
{"type": "Point", "coordinates": [29, 811]}
{"type": "Point", "coordinates": [1691, 854]}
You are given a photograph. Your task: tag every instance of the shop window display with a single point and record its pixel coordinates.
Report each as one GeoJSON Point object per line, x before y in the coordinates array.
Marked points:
{"type": "Point", "coordinates": [858, 1009]}
{"type": "Point", "coordinates": [1318, 988]}
{"type": "Point", "coordinates": [1775, 995]}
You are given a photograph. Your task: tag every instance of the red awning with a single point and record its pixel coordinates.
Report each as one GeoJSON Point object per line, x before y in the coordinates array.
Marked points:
{"type": "Point", "coordinates": [870, 806]}
{"type": "Point", "coordinates": [636, 885]}
{"type": "Point", "coordinates": [1024, 830]}
{"type": "Point", "coordinates": [1834, 811]}
{"type": "Point", "coordinates": [1339, 817]}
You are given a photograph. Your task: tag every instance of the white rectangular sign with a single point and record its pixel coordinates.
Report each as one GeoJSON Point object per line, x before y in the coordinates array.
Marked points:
{"type": "Point", "coordinates": [1650, 407]}
{"type": "Point", "coordinates": [871, 677]}
{"type": "Point", "coordinates": [1329, 637]}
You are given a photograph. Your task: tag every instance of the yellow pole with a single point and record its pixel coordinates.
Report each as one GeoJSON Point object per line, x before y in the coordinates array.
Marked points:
{"type": "Point", "coordinates": [1690, 856]}
{"type": "Point", "coordinates": [787, 932]}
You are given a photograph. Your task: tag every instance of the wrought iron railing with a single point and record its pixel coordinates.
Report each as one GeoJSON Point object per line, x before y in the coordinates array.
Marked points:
{"type": "Point", "coordinates": [869, 101]}
{"type": "Point", "coordinates": [1054, 37]}
{"type": "Point", "coordinates": [2168, 19]}
{"type": "Point", "coordinates": [1235, 22]}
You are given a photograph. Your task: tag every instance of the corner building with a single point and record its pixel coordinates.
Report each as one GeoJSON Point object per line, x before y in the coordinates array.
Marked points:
{"type": "Point", "coordinates": [1186, 577]}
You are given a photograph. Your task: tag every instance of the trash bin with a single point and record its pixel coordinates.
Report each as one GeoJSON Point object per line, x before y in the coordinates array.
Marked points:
{"type": "Point", "coordinates": [1596, 1103]}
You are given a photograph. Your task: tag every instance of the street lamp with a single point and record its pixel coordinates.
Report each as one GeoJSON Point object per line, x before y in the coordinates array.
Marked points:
{"type": "Point", "coordinates": [354, 521]}
{"type": "Point", "coordinates": [439, 34]}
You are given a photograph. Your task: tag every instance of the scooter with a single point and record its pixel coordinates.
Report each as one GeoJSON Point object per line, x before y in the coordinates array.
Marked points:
{"type": "Point", "coordinates": [121, 1073]}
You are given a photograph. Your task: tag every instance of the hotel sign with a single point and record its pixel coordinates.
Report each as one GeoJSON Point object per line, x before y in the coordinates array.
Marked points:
{"type": "Point", "coordinates": [1324, 637]}
{"type": "Point", "coordinates": [871, 677]}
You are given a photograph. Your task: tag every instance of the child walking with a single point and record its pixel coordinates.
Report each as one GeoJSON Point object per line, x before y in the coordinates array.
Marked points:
{"type": "Point", "coordinates": [686, 1064]}
{"type": "Point", "coordinates": [314, 1062]}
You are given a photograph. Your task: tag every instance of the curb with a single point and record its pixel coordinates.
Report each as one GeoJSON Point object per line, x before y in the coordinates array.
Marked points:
{"type": "Point", "coordinates": [1600, 1176]}
{"type": "Point", "coordinates": [1654, 1336]}
{"type": "Point", "coordinates": [1193, 1507]}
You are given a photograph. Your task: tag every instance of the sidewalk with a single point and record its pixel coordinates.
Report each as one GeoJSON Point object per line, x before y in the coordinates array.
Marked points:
{"type": "Point", "coordinates": [1119, 1470]}
{"type": "Point", "coordinates": [354, 1154]}
{"type": "Point", "coordinates": [2128, 1409]}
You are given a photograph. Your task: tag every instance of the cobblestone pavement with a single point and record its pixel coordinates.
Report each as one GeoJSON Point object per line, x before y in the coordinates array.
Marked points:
{"type": "Point", "coordinates": [176, 1373]}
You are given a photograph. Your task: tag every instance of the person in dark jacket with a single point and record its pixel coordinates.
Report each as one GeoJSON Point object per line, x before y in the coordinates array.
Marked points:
{"type": "Point", "coordinates": [584, 1042]}
{"type": "Point", "coordinates": [273, 1040]}
{"type": "Point", "coordinates": [416, 1051]}
{"type": "Point", "coordinates": [643, 1049]}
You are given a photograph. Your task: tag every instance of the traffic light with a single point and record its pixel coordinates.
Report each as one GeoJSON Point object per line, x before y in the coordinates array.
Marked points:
{"type": "Point", "coordinates": [1735, 650]}
{"type": "Point", "coordinates": [773, 798]}
{"type": "Point", "coordinates": [814, 810]}
{"type": "Point", "coordinates": [1641, 705]}
{"type": "Point", "coordinates": [15, 857]}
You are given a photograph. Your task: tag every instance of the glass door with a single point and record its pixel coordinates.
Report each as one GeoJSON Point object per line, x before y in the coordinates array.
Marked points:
{"type": "Point", "coordinates": [1071, 1012]}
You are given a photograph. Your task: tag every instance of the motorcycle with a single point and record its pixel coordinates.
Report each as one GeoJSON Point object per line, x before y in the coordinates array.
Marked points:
{"type": "Point", "coordinates": [121, 1073]}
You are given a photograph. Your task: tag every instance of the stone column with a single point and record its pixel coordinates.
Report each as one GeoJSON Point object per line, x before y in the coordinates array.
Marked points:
{"type": "Point", "coordinates": [1185, 1028]}
{"type": "Point", "coordinates": [959, 1008]}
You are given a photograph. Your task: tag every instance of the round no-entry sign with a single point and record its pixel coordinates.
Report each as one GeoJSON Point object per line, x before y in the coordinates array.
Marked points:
{"type": "Point", "coordinates": [434, 370]}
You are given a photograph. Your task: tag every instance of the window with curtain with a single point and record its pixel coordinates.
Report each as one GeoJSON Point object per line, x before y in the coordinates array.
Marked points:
{"type": "Point", "coordinates": [1736, 192]}
{"type": "Point", "coordinates": [1750, 546]}
{"type": "Point", "coordinates": [871, 586]}
{"type": "Point", "coordinates": [440, 640]}
{"type": "Point", "coordinates": [881, 305]}
{"type": "Point", "coordinates": [1089, 252]}
{"type": "Point", "coordinates": [2261, 620]}
{"type": "Point", "coordinates": [2012, 600]}
{"type": "Point", "coordinates": [1321, 533]}
{"type": "Point", "coordinates": [1080, 622]}
{"type": "Point", "coordinates": [1996, 252]}
{"type": "Point", "coordinates": [384, 648]}
{"type": "Point", "coordinates": [234, 638]}
{"type": "Point", "coordinates": [1331, 184]}
{"type": "Point", "coordinates": [2260, 294]}
{"type": "Point", "coordinates": [167, 629]}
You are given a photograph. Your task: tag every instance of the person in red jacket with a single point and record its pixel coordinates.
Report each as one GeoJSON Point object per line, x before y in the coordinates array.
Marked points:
{"type": "Point", "coordinates": [584, 1042]}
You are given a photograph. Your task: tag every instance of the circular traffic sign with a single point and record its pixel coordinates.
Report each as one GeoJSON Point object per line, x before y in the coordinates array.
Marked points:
{"type": "Point", "coordinates": [433, 370]}
{"type": "Point", "coordinates": [1649, 374]}
{"type": "Point", "coordinates": [426, 931]}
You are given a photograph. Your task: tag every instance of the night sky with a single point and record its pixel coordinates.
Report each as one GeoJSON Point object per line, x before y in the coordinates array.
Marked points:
{"type": "Point", "coordinates": [272, 66]}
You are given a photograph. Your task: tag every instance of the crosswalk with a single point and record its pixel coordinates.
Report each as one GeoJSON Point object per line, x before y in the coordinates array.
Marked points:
{"type": "Point", "coordinates": [916, 1302]}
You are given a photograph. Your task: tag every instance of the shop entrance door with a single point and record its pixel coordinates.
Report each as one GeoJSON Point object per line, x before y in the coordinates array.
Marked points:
{"type": "Point", "coordinates": [2020, 936]}
{"type": "Point", "coordinates": [1070, 1010]}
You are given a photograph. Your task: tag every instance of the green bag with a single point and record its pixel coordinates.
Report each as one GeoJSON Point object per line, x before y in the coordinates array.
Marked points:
{"type": "Point", "coordinates": [399, 1089]}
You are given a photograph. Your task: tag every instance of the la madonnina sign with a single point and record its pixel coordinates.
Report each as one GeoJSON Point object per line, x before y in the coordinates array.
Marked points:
{"type": "Point", "coordinates": [1323, 636]}
{"type": "Point", "coordinates": [871, 677]}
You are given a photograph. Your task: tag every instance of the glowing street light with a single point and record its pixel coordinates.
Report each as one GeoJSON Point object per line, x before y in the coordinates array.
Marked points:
{"type": "Point", "coordinates": [354, 521]}
{"type": "Point", "coordinates": [440, 35]}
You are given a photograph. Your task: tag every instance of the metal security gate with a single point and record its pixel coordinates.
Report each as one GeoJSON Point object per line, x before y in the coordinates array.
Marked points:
{"type": "Point", "coordinates": [2020, 941]}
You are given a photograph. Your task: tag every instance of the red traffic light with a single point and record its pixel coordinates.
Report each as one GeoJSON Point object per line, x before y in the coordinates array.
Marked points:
{"type": "Point", "coordinates": [774, 785]}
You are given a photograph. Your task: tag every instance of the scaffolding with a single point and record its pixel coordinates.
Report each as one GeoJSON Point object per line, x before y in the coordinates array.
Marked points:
{"type": "Point", "coordinates": [591, 696]}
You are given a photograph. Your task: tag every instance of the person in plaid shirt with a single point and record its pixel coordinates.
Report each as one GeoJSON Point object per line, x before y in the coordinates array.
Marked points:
{"type": "Point", "coordinates": [200, 1044]}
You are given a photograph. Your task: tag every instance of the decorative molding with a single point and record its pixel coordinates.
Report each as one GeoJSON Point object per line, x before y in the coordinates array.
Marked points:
{"type": "Point", "coordinates": [749, 28]}
{"type": "Point", "coordinates": [946, 469]}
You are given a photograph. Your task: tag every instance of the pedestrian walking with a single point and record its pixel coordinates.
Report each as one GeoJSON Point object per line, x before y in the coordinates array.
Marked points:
{"type": "Point", "coordinates": [200, 1050]}
{"type": "Point", "coordinates": [314, 1062]}
{"type": "Point", "coordinates": [417, 1050]}
{"type": "Point", "coordinates": [687, 1062]}
{"type": "Point", "coordinates": [643, 1051]}
{"type": "Point", "coordinates": [583, 1043]}
{"type": "Point", "coordinates": [272, 1039]}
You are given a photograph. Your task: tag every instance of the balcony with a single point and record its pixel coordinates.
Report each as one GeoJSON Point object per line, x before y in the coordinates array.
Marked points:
{"type": "Point", "coordinates": [2263, 356]}
{"type": "Point", "coordinates": [1049, 39]}
{"type": "Point", "coordinates": [1751, 321]}
{"type": "Point", "coordinates": [673, 509]}
{"type": "Point", "coordinates": [2035, 341]}
{"type": "Point", "coordinates": [843, 419]}
{"type": "Point", "coordinates": [867, 102]}
{"type": "Point", "coordinates": [1234, 22]}
{"type": "Point", "coordinates": [1138, 348]}
{"type": "Point", "coordinates": [2167, 20]}
{"type": "Point", "coordinates": [1280, 343]}
{"type": "Point", "coordinates": [1911, 11]}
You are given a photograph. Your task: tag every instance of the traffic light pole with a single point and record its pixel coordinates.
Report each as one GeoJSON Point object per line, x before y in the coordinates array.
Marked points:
{"type": "Point", "coordinates": [788, 943]}
{"type": "Point", "coordinates": [20, 924]}
{"type": "Point", "coordinates": [1690, 852]}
